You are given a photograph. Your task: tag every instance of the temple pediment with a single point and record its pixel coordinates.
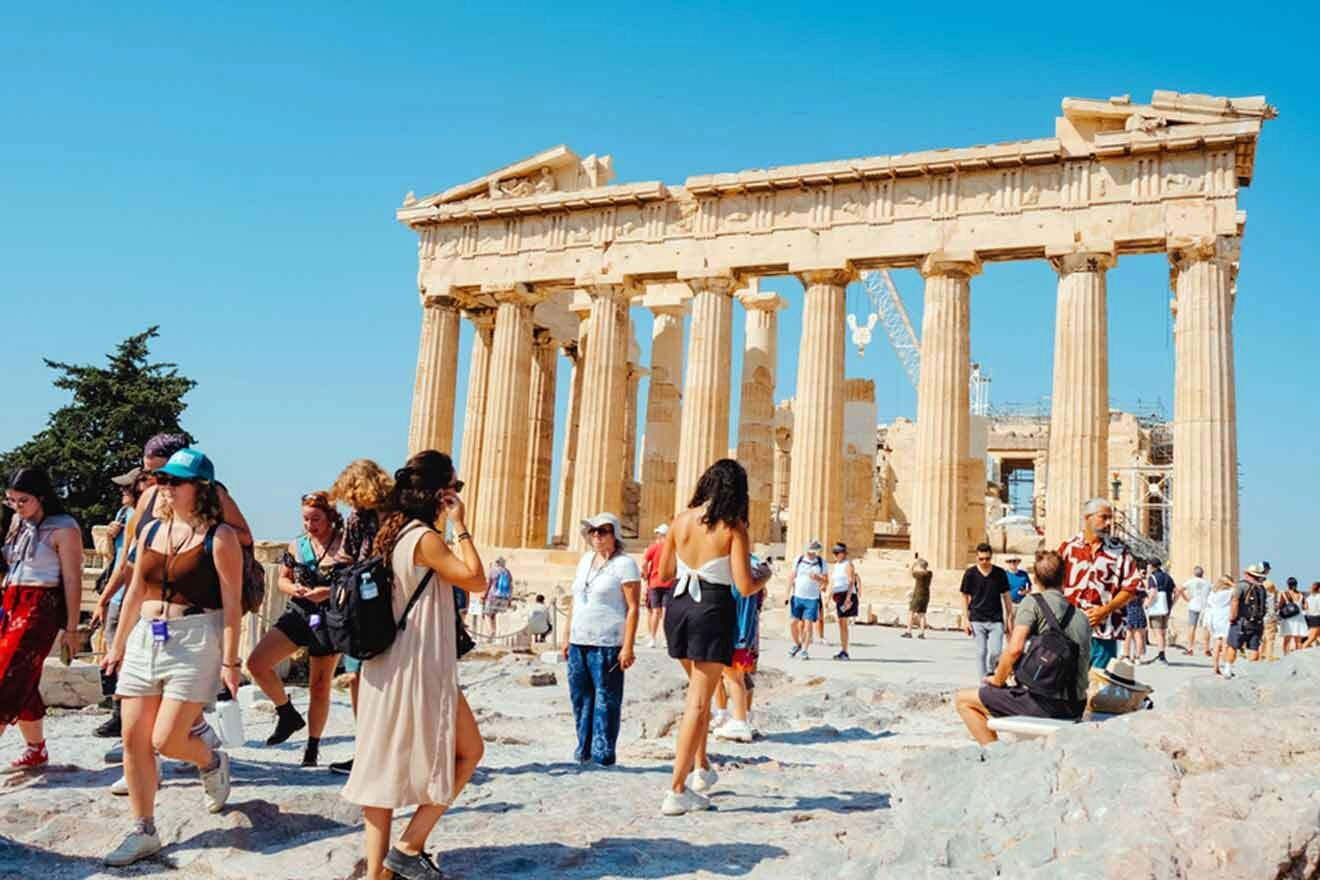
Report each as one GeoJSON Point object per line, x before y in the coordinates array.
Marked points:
{"type": "Point", "coordinates": [556, 170]}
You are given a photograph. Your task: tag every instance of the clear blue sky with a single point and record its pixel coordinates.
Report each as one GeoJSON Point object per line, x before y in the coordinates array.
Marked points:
{"type": "Point", "coordinates": [231, 172]}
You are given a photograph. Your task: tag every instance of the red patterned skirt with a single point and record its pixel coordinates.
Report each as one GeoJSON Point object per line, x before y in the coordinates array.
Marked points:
{"type": "Point", "coordinates": [33, 617]}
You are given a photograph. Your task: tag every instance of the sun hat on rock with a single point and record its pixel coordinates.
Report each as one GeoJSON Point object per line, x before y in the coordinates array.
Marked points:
{"type": "Point", "coordinates": [1118, 690]}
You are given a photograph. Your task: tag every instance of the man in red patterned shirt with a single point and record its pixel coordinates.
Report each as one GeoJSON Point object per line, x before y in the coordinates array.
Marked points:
{"type": "Point", "coordinates": [1100, 578]}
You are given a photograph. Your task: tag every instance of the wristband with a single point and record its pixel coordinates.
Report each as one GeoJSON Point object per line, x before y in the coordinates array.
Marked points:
{"type": "Point", "coordinates": [232, 665]}
{"type": "Point", "coordinates": [464, 536]}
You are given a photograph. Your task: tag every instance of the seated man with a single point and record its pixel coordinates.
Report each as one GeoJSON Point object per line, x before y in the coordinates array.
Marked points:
{"type": "Point", "coordinates": [1057, 674]}
{"type": "Point", "coordinates": [538, 619]}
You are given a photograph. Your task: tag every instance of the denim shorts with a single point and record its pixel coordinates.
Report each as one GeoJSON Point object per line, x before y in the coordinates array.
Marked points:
{"type": "Point", "coordinates": [804, 609]}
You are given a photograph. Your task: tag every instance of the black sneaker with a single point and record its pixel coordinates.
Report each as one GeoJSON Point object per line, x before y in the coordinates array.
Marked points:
{"type": "Point", "coordinates": [406, 867]}
{"type": "Point", "coordinates": [311, 755]}
{"type": "Point", "coordinates": [343, 768]}
{"type": "Point", "coordinates": [113, 727]}
{"type": "Point", "coordinates": [842, 655]}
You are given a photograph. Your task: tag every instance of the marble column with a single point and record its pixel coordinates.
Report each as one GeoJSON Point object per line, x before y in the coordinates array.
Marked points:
{"type": "Point", "coordinates": [474, 417]}
{"type": "Point", "coordinates": [859, 420]}
{"type": "Point", "coordinates": [756, 411]}
{"type": "Point", "coordinates": [783, 468]}
{"type": "Point", "coordinates": [540, 446]}
{"type": "Point", "coordinates": [1205, 462]}
{"type": "Point", "coordinates": [1079, 415]}
{"type": "Point", "coordinates": [563, 530]}
{"type": "Point", "coordinates": [630, 511]}
{"type": "Point", "coordinates": [504, 445]}
{"type": "Point", "coordinates": [943, 438]}
{"type": "Point", "coordinates": [597, 485]}
{"type": "Point", "coordinates": [815, 494]}
{"type": "Point", "coordinates": [704, 437]}
{"type": "Point", "coordinates": [663, 411]}
{"type": "Point", "coordinates": [432, 424]}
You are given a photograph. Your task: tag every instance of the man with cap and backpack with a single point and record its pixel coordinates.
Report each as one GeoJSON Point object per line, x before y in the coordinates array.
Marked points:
{"type": "Point", "coordinates": [1246, 615]}
{"type": "Point", "coordinates": [1051, 674]}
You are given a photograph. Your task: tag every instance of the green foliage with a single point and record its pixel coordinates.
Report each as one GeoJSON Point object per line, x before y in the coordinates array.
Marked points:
{"type": "Point", "coordinates": [100, 434]}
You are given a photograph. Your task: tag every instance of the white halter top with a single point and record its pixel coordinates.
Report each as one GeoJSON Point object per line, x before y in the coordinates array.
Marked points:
{"type": "Point", "coordinates": [716, 572]}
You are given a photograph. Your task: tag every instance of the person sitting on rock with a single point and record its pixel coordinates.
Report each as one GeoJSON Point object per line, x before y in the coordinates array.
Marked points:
{"type": "Point", "coordinates": [1052, 677]}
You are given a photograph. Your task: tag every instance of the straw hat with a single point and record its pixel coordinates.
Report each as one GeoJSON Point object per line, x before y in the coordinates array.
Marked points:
{"type": "Point", "coordinates": [1115, 690]}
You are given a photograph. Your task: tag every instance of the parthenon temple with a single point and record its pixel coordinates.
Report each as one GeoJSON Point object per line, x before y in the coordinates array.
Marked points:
{"type": "Point", "coordinates": [549, 255]}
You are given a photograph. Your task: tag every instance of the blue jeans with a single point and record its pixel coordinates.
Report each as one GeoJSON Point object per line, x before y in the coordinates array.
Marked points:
{"type": "Point", "coordinates": [595, 687]}
{"type": "Point", "coordinates": [989, 645]}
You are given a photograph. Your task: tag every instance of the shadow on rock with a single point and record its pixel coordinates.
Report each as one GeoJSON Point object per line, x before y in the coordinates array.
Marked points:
{"type": "Point", "coordinates": [21, 860]}
{"type": "Point", "coordinates": [557, 768]}
{"type": "Point", "coordinates": [638, 857]}
{"type": "Point", "coordinates": [823, 733]}
{"type": "Point", "coordinates": [840, 802]}
{"type": "Point", "coordinates": [270, 829]}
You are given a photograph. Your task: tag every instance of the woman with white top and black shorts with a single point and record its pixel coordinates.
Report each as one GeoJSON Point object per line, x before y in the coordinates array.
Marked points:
{"type": "Point", "coordinates": [708, 552]}
{"type": "Point", "coordinates": [843, 589]}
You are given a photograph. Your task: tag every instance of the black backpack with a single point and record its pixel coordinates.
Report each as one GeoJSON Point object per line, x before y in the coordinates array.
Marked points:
{"type": "Point", "coordinates": [1049, 667]}
{"type": "Point", "coordinates": [1251, 609]}
{"type": "Point", "coordinates": [359, 616]}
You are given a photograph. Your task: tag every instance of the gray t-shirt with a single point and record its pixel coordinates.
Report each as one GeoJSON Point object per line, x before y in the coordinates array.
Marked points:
{"type": "Point", "coordinates": [1078, 629]}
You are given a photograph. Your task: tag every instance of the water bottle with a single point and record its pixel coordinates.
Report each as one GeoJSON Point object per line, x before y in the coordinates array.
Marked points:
{"type": "Point", "coordinates": [369, 589]}
{"type": "Point", "coordinates": [229, 718]}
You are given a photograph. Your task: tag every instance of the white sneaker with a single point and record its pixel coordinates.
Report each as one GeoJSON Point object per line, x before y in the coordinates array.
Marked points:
{"type": "Point", "coordinates": [702, 780]}
{"type": "Point", "coordinates": [650, 643]}
{"type": "Point", "coordinates": [804, 655]}
{"type": "Point", "coordinates": [135, 847]}
{"type": "Point", "coordinates": [735, 731]}
{"type": "Point", "coordinates": [687, 802]}
{"type": "Point", "coordinates": [718, 718]}
{"type": "Point", "coordinates": [120, 786]}
{"type": "Point", "coordinates": [216, 784]}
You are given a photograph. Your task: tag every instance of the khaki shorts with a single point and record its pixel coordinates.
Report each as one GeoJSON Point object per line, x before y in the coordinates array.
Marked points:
{"type": "Point", "coordinates": [1158, 621]}
{"type": "Point", "coordinates": [185, 667]}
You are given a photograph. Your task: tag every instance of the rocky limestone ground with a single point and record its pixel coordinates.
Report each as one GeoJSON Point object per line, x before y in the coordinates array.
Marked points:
{"type": "Point", "coordinates": [863, 771]}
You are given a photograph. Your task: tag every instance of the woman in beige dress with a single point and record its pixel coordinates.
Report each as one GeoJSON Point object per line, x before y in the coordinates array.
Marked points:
{"type": "Point", "coordinates": [417, 741]}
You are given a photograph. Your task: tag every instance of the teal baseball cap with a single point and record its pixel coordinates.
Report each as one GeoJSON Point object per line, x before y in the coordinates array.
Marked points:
{"type": "Point", "coordinates": [189, 464]}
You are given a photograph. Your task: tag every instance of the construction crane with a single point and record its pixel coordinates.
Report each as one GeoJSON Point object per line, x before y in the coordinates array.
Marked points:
{"type": "Point", "coordinates": [888, 306]}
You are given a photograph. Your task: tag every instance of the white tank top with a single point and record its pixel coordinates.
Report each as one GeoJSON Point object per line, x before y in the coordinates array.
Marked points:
{"type": "Point", "coordinates": [839, 580]}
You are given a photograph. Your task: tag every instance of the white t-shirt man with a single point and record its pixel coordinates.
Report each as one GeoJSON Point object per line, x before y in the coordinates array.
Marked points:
{"type": "Point", "coordinates": [599, 607]}
{"type": "Point", "coordinates": [1197, 589]}
{"type": "Point", "coordinates": [803, 586]}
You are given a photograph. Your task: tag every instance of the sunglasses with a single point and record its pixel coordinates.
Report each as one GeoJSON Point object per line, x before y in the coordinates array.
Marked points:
{"type": "Point", "coordinates": [601, 530]}
{"type": "Point", "coordinates": [171, 480]}
{"type": "Point", "coordinates": [458, 485]}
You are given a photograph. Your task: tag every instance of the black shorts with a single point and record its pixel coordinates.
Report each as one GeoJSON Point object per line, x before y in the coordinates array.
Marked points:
{"type": "Point", "coordinates": [1313, 620]}
{"type": "Point", "coordinates": [659, 597]}
{"type": "Point", "coordinates": [703, 630]}
{"type": "Point", "coordinates": [840, 599]}
{"type": "Point", "coordinates": [296, 623]}
{"type": "Point", "coordinates": [1007, 701]}
{"type": "Point", "coordinates": [1244, 638]}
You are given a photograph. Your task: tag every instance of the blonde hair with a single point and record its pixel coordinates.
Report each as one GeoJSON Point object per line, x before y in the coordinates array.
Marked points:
{"type": "Point", "coordinates": [363, 485]}
{"type": "Point", "coordinates": [1224, 583]}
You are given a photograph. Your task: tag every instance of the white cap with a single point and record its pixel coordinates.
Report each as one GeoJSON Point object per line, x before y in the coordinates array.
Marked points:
{"type": "Point", "coordinates": [662, 529]}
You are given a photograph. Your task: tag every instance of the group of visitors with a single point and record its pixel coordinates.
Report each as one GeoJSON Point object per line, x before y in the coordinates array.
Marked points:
{"type": "Point", "coordinates": [814, 584]}
{"type": "Point", "coordinates": [1090, 597]}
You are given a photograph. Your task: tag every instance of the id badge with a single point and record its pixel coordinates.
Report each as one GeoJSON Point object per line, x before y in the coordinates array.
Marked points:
{"type": "Point", "coordinates": [160, 631]}
{"type": "Point", "coordinates": [314, 621]}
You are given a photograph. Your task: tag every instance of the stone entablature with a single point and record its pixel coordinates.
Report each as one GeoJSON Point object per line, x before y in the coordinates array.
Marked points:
{"type": "Point", "coordinates": [1101, 185]}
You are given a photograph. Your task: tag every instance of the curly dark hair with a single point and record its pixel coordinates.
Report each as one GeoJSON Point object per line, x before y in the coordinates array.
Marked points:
{"type": "Point", "coordinates": [724, 486]}
{"type": "Point", "coordinates": [415, 495]}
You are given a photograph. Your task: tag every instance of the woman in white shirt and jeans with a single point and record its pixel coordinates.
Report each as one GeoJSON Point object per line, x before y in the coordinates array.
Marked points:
{"type": "Point", "coordinates": [601, 631]}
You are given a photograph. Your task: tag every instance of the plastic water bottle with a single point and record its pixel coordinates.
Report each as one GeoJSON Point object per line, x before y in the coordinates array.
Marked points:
{"type": "Point", "coordinates": [229, 718]}
{"type": "Point", "coordinates": [369, 588]}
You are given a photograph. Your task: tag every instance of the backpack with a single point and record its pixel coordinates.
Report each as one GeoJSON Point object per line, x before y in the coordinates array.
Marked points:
{"type": "Point", "coordinates": [504, 584]}
{"type": "Point", "coordinates": [1251, 610]}
{"type": "Point", "coordinates": [359, 615]}
{"type": "Point", "coordinates": [253, 588]}
{"type": "Point", "coordinates": [1049, 667]}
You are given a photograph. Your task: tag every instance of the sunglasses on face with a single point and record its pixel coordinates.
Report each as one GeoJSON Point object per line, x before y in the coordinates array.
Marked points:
{"type": "Point", "coordinates": [601, 530]}
{"type": "Point", "coordinates": [171, 480]}
{"type": "Point", "coordinates": [983, 559]}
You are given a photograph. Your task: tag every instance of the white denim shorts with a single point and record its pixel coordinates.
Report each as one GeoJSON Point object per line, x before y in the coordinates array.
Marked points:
{"type": "Point", "coordinates": [185, 667]}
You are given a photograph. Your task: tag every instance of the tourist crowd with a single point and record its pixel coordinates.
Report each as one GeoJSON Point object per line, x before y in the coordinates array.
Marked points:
{"type": "Point", "coordinates": [183, 572]}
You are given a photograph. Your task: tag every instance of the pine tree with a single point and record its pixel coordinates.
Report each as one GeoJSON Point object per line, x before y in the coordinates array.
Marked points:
{"type": "Point", "coordinates": [115, 410]}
